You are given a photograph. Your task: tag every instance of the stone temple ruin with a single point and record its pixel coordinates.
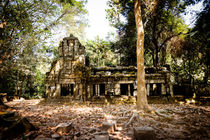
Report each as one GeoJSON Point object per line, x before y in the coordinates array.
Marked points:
{"type": "Point", "coordinates": [70, 75]}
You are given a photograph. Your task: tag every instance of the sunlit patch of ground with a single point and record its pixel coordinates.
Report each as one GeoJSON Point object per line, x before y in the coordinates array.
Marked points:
{"type": "Point", "coordinates": [180, 121]}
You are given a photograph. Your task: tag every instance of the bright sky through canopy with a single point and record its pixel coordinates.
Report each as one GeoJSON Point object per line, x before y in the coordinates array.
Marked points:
{"type": "Point", "coordinates": [98, 24]}
{"type": "Point", "coordinates": [191, 16]}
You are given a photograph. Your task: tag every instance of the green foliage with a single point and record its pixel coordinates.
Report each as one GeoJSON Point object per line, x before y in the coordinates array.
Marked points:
{"type": "Point", "coordinates": [191, 55]}
{"type": "Point", "coordinates": [100, 53]}
{"type": "Point", "coordinates": [167, 39]}
{"type": "Point", "coordinates": [25, 51]}
{"type": "Point", "coordinates": [126, 44]}
{"type": "Point", "coordinates": [201, 35]}
{"type": "Point", "coordinates": [39, 84]}
{"type": "Point", "coordinates": [188, 62]}
{"type": "Point", "coordinates": [113, 13]}
{"type": "Point", "coordinates": [7, 81]}
{"type": "Point", "coordinates": [161, 23]}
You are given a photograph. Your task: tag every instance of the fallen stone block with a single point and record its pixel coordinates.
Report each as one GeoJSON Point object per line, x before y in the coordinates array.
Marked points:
{"type": "Point", "coordinates": [114, 124]}
{"type": "Point", "coordinates": [92, 130]}
{"type": "Point", "coordinates": [56, 136]}
{"type": "Point", "coordinates": [42, 137]}
{"type": "Point", "coordinates": [31, 135]}
{"type": "Point", "coordinates": [64, 127]}
{"type": "Point", "coordinates": [116, 136]}
{"type": "Point", "coordinates": [144, 133]}
{"type": "Point", "coordinates": [101, 133]}
{"type": "Point", "coordinates": [101, 137]}
{"type": "Point", "coordinates": [18, 128]}
{"type": "Point", "coordinates": [109, 126]}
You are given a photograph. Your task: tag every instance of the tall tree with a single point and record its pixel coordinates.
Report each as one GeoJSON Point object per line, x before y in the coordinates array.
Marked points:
{"type": "Point", "coordinates": [141, 89]}
{"type": "Point", "coordinates": [25, 26]}
{"type": "Point", "coordinates": [201, 34]}
{"type": "Point", "coordinates": [161, 21]}
{"type": "Point", "coordinates": [127, 43]}
{"type": "Point", "coordinates": [113, 14]}
{"type": "Point", "coordinates": [190, 55]}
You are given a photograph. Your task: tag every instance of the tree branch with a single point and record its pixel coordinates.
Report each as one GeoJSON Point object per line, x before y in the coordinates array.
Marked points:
{"type": "Point", "coordinates": [60, 17]}
{"type": "Point", "coordinates": [167, 39]}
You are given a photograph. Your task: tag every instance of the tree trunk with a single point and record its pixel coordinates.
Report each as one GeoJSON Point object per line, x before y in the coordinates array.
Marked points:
{"type": "Point", "coordinates": [163, 56]}
{"type": "Point", "coordinates": [156, 57]}
{"type": "Point", "coordinates": [153, 57]}
{"type": "Point", "coordinates": [118, 20]}
{"type": "Point", "coordinates": [141, 87]}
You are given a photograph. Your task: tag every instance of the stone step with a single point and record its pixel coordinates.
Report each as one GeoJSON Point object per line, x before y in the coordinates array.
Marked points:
{"type": "Point", "coordinates": [144, 133]}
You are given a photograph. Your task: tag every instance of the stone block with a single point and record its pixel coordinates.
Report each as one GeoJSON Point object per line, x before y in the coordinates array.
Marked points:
{"type": "Point", "coordinates": [42, 137]}
{"type": "Point", "coordinates": [101, 137]}
{"type": "Point", "coordinates": [109, 126]}
{"type": "Point", "coordinates": [64, 127]}
{"type": "Point", "coordinates": [18, 128]}
{"type": "Point", "coordinates": [144, 133]}
{"type": "Point", "coordinates": [56, 136]}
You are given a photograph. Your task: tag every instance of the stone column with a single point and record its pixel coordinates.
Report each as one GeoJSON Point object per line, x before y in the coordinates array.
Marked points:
{"type": "Point", "coordinates": [80, 91]}
{"type": "Point", "coordinates": [91, 90]}
{"type": "Point", "coordinates": [129, 90]}
{"type": "Point", "coordinates": [135, 92]}
{"type": "Point", "coordinates": [135, 88]}
{"type": "Point", "coordinates": [117, 89]}
{"type": "Point", "coordinates": [171, 90]}
{"type": "Point", "coordinates": [98, 90]}
{"type": "Point", "coordinates": [95, 89]}
{"type": "Point", "coordinates": [57, 92]}
{"type": "Point", "coordinates": [88, 91]}
{"type": "Point", "coordinates": [76, 90]}
{"type": "Point", "coordinates": [148, 89]}
{"type": "Point", "coordinates": [107, 87]}
{"type": "Point", "coordinates": [154, 89]}
{"type": "Point", "coordinates": [163, 89]}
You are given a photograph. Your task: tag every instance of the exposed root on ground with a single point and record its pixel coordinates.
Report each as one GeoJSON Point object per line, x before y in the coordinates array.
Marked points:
{"type": "Point", "coordinates": [162, 115]}
{"type": "Point", "coordinates": [149, 112]}
{"type": "Point", "coordinates": [131, 119]}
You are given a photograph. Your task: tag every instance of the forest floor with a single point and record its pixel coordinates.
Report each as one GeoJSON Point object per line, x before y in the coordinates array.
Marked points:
{"type": "Point", "coordinates": [179, 121]}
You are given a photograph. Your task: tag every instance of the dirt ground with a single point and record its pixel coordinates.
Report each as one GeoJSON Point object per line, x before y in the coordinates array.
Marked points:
{"type": "Point", "coordinates": [176, 122]}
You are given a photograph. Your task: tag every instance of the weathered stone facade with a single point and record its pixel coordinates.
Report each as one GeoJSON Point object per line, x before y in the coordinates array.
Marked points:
{"type": "Point", "coordinates": [62, 78]}
{"type": "Point", "coordinates": [70, 75]}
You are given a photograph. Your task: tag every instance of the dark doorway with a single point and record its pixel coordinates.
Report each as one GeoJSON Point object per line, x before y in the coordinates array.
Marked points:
{"type": "Point", "coordinates": [72, 89]}
{"type": "Point", "coordinates": [158, 92]}
{"type": "Point", "coordinates": [131, 89]}
{"type": "Point", "coordinates": [124, 89]}
{"type": "Point", "coordinates": [64, 90]}
{"type": "Point", "coordinates": [155, 89]}
{"type": "Point", "coordinates": [67, 89]}
{"type": "Point", "coordinates": [102, 89]}
{"type": "Point", "coordinates": [94, 90]}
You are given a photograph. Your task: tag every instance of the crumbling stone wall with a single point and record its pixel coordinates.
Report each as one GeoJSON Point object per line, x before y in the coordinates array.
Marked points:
{"type": "Point", "coordinates": [62, 75]}
{"type": "Point", "coordinates": [69, 75]}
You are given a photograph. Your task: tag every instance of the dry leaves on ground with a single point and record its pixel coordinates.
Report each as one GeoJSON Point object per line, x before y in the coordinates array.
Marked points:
{"type": "Point", "coordinates": [181, 121]}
